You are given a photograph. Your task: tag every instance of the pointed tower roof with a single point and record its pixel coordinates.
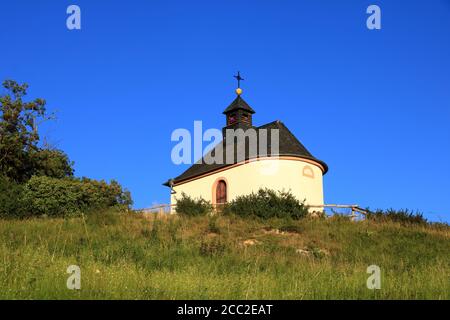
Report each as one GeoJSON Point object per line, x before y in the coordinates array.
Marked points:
{"type": "Point", "coordinates": [237, 104]}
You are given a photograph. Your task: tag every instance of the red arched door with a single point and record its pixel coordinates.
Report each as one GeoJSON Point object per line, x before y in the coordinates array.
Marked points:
{"type": "Point", "coordinates": [221, 192]}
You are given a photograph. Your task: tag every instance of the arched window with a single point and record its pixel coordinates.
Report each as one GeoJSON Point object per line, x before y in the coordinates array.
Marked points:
{"type": "Point", "coordinates": [308, 172]}
{"type": "Point", "coordinates": [221, 192]}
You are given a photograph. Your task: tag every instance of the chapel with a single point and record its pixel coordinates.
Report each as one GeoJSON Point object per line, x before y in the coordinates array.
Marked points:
{"type": "Point", "coordinates": [267, 156]}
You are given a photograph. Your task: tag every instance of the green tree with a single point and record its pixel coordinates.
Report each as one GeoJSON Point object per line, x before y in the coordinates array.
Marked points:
{"type": "Point", "coordinates": [11, 204]}
{"type": "Point", "coordinates": [20, 155]}
{"type": "Point", "coordinates": [52, 163]}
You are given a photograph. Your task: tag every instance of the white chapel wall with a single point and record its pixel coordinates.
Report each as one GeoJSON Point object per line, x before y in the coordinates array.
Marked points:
{"type": "Point", "coordinates": [302, 178]}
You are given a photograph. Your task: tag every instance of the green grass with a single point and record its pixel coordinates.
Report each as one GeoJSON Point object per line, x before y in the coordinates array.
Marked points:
{"type": "Point", "coordinates": [129, 256]}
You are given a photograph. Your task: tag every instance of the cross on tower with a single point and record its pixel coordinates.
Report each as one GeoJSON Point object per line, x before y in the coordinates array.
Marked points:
{"type": "Point", "coordinates": [238, 78]}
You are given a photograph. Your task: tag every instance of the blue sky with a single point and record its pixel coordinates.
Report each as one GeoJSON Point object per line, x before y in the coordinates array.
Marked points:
{"type": "Point", "coordinates": [373, 104]}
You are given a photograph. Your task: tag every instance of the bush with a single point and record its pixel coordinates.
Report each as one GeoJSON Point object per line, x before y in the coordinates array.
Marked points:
{"type": "Point", "coordinates": [193, 207]}
{"type": "Point", "coordinates": [403, 216]}
{"type": "Point", "coordinates": [268, 204]}
{"type": "Point", "coordinates": [10, 198]}
{"type": "Point", "coordinates": [57, 197]}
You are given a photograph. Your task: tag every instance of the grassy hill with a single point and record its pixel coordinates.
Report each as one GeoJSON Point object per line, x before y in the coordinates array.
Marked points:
{"type": "Point", "coordinates": [131, 256]}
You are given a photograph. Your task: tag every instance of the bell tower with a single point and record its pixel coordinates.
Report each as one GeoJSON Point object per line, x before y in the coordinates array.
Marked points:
{"type": "Point", "coordinates": [238, 114]}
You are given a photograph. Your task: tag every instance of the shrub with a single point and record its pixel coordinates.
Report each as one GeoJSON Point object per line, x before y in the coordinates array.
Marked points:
{"type": "Point", "coordinates": [55, 197]}
{"type": "Point", "coordinates": [193, 207]}
{"type": "Point", "coordinates": [403, 216]}
{"type": "Point", "coordinates": [268, 203]}
{"type": "Point", "coordinates": [10, 198]}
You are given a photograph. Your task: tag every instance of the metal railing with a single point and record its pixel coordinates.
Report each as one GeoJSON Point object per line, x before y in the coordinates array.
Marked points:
{"type": "Point", "coordinates": [354, 211]}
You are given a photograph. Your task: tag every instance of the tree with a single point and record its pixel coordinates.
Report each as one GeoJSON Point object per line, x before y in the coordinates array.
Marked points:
{"type": "Point", "coordinates": [20, 155]}
{"type": "Point", "coordinates": [52, 163]}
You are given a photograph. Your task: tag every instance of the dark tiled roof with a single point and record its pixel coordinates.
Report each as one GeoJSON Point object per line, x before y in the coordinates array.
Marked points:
{"type": "Point", "coordinates": [288, 146]}
{"type": "Point", "coordinates": [237, 104]}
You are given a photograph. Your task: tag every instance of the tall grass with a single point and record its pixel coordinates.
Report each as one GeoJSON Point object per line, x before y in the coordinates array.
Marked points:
{"type": "Point", "coordinates": [132, 256]}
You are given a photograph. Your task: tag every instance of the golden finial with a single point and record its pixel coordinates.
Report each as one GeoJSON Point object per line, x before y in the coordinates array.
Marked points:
{"type": "Point", "coordinates": [238, 78]}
